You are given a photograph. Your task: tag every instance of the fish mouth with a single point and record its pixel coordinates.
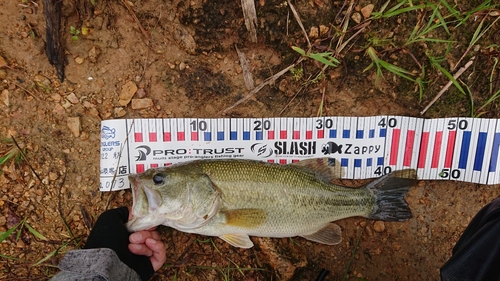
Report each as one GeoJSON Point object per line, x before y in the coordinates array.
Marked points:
{"type": "Point", "coordinates": [139, 198]}
{"type": "Point", "coordinates": [144, 203]}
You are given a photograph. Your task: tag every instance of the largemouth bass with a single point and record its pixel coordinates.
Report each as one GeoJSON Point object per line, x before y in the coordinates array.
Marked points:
{"type": "Point", "coordinates": [235, 199]}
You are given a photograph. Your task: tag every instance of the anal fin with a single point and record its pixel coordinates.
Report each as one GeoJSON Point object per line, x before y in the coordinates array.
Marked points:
{"type": "Point", "coordinates": [331, 234]}
{"type": "Point", "coordinates": [238, 240]}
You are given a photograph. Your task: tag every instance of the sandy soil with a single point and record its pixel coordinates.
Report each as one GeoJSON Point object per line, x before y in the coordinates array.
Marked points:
{"type": "Point", "coordinates": [187, 65]}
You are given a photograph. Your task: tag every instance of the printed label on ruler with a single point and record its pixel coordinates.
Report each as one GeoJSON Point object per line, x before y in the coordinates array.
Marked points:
{"type": "Point", "coordinates": [449, 148]}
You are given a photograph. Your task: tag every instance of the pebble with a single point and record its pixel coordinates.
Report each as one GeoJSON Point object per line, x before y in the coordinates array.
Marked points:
{"type": "Point", "coordinates": [119, 111]}
{"type": "Point", "coordinates": [93, 53]}
{"type": "Point", "coordinates": [356, 17]}
{"type": "Point", "coordinates": [368, 231]}
{"type": "Point", "coordinates": [74, 125]}
{"type": "Point", "coordinates": [56, 97]}
{"type": "Point", "coordinates": [367, 10]}
{"type": "Point", "coordinates": [42, 80]}
{"type": "Point", "coordinates": [313, 32]}
{"type": "Point", "coordinates": [379, 226]}
{"type": "Point", "coordinates": [58, 109]}
{"type": "Point", "coordinates": [79, 60]}
{"type": "Point", "coordinates": [72, 98]}
{"type": "Point", "coordinates": [53, 176]}
{"type": "Point", "coordinates": [3, 62]}
{"type": "Point", "coordinates": [141, 93]}
{"type": "Point", "coordinates": [141, 103]}
{"type": "Point", "coordinates": [4, 97]}
{"type": "Point", "coordinates": [128, 91]}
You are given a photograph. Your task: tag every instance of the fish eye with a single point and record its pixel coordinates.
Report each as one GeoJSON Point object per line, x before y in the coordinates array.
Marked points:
{"type": "Point", "coordinates": [158, 179]}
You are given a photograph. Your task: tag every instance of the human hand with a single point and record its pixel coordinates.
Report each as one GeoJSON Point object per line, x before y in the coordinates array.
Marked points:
{"type": "Point", "coordinates": [148, 243]}
{"type": "Point", "coordinates": [110, 232]}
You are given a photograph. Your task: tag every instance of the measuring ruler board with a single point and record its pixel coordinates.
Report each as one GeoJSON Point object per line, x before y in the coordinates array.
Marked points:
{"type": "Point", "coordinates": [464, 149]}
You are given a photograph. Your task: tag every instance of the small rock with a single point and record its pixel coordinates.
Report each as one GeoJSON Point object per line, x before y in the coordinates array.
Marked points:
{"type": "Point", "coordinates": [3, 62]}
{"type": "Point", "coordinates": [66, 104]}
{"type": "Point", "coordinates": [4, 97]}
{"type": "Point", "coordinates": [93, 111]}
{"type": "Point", "coordinates": [368, 231]}
{"type": "Point", "coordinates": [3, 74]}
{"type": "Point", "coordinates": [84, 136]}
{"type": "Point", "coordinates": [141, 103]}
{"type": "Point", "coordinates": [356, 17]}
{"type": "Point", "coordinates": [42, 80]}
{"type": "Point", "coordinates": [93, 53]}
{"type": "Point", "coordinates": [128, 91]}
{"type": "Point", "coordinates": [314, 32]}
{"type": "Point", "coordinates": [56, 97]}
{"type": "Point", "coordinates": [141, 93]}
{"type": "Point", "coordinates": [72, 98]}
{"type": "Point", "coordinates": [74, 125]}
{"type": "Point", "coordinates": [53, 176]}
{"type": "Point", "coordinates": [323, 30]}
{"type": "Point", "coordinates": [119, 111]}
{"type": "Point", "coordinates": [182, 66]}
{"type": "Point", "coordinates": [79, 60]}
{"type": "Point", "coordinates": [58, 109]}
{"type": "Point", "coordinates": [379, 226]}
{"type": "Point", "coordinates": [366, 11]}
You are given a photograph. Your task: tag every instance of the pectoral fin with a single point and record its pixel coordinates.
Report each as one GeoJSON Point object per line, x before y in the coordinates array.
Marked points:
{"type": "Point", "coordinates": [247, 218]}
{"type": "Point", "coordinates": [331, 234]}
{"type": "Point", "coordinates": [238, 240]}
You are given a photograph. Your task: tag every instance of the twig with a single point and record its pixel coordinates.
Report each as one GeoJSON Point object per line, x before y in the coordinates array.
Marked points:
{"type": "Point", "coordinates": [290, 102]}
{"type": "Point", "coordinates": [25, 158]}
{"type": "Point", "coordinates": [297, 18]}
{"type": "Point", "coordinates": [247, 73]}
{"type": "Point", "coordinates": [24, 89]}
{"type": "Point", "coordinates": [457, 74]}
{"type": "Point", "coordinates": [250, 15]}
{"type": "Point", "coordinates": [265, 83]}
{"type": "Point", "coordinates": [144, 32]}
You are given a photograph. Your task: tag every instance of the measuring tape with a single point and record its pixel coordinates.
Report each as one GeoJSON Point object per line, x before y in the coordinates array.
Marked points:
{"type": "Point", "coordinates": [464, 149]}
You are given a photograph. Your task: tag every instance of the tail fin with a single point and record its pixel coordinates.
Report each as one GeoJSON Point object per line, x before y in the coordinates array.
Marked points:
{"type": "Point", "coordinates": [389, 192]}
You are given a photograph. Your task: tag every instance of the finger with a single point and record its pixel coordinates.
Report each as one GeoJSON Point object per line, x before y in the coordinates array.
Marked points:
{"type": "Point", "coordinates": [159, 253]}
{"type": "Point", "coordinates": [140, 236]}
{"type": "Point", "coordinates": [140, 249]}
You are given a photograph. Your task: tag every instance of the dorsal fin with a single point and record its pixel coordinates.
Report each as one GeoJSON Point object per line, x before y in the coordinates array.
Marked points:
{"type": "Point", "coordinates": [327, 168]}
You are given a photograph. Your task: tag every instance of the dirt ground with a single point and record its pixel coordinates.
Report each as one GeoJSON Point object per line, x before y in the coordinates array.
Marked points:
{"type": "Point", "coordinates": [185, 62]}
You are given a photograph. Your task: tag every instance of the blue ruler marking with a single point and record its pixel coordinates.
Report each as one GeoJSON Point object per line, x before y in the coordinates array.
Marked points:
{"type": "Point", "coordinates": [481, 145]}
{"type": "Point", "coordinates": [346, 134]}
{"type": "Point", "coordinates": [464, 150]}
{"type": "Point", "coordinates": [333, 134]}
{"type": "Point", "coordinates": [246, 135]}
{"type": "Point", "coordinates": [494, 153]}
{"type": "Point", "coordinates": [258, 135]}
{"type": "Point", "coordinates": [208, 136]}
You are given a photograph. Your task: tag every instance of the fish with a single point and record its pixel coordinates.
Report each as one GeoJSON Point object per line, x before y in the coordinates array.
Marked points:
{"type": "Point", "coordinates": [234, 199]}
